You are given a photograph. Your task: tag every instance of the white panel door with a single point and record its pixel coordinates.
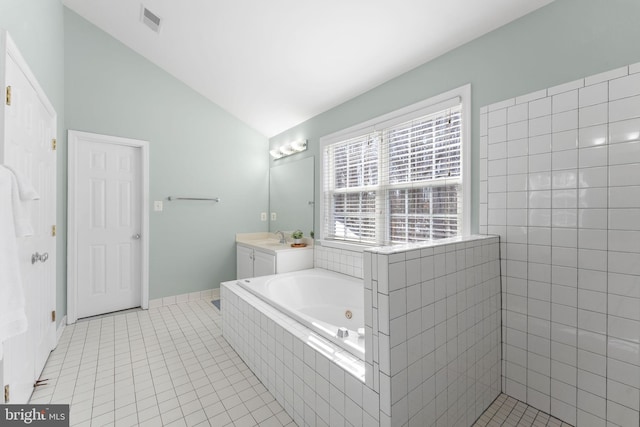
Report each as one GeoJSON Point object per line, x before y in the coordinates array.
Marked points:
{"type": "Point", "coordinates": [27, 146]}
{"type": "Point", "coordinates": [109, 209]}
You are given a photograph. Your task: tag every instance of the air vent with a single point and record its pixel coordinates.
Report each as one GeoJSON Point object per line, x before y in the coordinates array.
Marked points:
{"type": "Point", "coordinates": [150, 19]}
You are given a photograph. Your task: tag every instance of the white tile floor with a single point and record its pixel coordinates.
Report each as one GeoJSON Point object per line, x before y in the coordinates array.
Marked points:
{"type": "Point", "coordinates": [170, 366]}
{"type": "Point", "coordinates": [164, 366]}
{"type": "Point", "coordinates": [509, 412]}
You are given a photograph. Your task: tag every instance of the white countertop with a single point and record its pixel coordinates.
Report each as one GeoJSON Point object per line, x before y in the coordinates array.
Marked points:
{"type": "Point", "coordinates": [269, 242]}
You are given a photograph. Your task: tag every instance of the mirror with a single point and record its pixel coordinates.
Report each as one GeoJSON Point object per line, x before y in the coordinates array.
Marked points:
{"type": "Point", "coordinates": [291, 196]}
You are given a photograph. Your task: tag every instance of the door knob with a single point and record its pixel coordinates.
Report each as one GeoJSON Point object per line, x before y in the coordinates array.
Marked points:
{"type": "Point", "coordinates": [136, 236]}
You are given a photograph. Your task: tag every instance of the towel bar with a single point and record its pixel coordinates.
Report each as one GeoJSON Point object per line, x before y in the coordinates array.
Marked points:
{"type": "Point", "coordinates": [214, 199]}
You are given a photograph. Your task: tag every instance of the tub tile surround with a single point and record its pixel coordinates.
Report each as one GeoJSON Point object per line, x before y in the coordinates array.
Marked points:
{"type": "Point", "coordinates": [435, 324]}
{"type": "Point", "coordinates": [560, 185]}
{"type": "Point", "coordinates": [433, 315]}
{"type": "Point", "coordinates": [316, 381]}
{"type": "Point", "coordinates": [342, 261]}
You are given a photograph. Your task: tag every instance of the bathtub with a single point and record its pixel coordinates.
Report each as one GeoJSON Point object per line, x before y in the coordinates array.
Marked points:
{"type": "Point", "coordinates": [321, 300]}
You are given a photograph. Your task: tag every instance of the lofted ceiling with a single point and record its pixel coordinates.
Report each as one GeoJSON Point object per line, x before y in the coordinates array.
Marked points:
{"type": "Point", "coordinates": [277, 63]}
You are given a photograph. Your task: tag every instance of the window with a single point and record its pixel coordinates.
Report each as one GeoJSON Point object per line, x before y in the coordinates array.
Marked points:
{"type": "Point", "coordinates": [399, 178]}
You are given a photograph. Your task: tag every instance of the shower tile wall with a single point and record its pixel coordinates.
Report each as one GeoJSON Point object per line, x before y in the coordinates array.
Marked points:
{"type": "Point", "coordinates": [560, 184]}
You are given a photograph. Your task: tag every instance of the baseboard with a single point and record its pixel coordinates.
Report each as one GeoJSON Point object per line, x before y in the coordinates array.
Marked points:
{"type": "Point", "coordinates": [209, 294]}
{"type": "Point", "coordinates": [60, 329]}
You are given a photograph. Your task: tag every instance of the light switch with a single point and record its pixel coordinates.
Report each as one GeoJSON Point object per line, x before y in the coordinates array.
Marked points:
{"type": "Point", "coordinates": [157, 205]}
{"type": "Point", "coordinates": [263, 216]}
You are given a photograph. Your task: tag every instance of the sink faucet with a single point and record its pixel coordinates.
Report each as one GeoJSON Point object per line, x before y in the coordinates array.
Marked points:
{"type": "Point", "coordinates": [283, 240]}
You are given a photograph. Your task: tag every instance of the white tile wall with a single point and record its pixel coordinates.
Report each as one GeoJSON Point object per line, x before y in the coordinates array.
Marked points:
{"type": "Point", "coordinates": [338, 260]}
{"type": "Point", "coordinates": [433, 318]}
{"type": "Point", "coordinates": [443, 341]}
{"type": "Point", "coordinates": [316, 382]}
{"type": "Point", "coordinates": [435, 330]}
{"type": "Point", "coordinates": [569, 249]}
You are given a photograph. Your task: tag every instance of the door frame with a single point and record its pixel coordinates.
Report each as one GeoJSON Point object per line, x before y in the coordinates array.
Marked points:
{"type": "Point", "coordinates": [73, 138]}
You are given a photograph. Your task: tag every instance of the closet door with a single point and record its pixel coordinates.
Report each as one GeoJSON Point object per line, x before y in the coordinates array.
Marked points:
{"type": "Point", "coordinates": [108, 224]}
{"type": "Point", "coordinates": [28, 145]}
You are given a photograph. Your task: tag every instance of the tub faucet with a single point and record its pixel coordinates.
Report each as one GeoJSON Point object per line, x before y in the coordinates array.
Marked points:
{"type": "Point", "coordinates": [283, 240]}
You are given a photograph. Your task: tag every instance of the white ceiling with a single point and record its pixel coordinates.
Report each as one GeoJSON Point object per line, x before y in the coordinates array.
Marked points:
{"type": "Point", "coordinates": [277, 63]}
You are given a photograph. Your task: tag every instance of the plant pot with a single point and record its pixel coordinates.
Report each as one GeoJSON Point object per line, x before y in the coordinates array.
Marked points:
{"type": "Point", "coordinates": [297, 241]}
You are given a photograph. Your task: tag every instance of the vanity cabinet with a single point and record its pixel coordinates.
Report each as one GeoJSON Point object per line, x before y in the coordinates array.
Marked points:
{"type": "Point", "coordinates": [253, 263]}
{"type": "Point", "coordinates": [261, 259]}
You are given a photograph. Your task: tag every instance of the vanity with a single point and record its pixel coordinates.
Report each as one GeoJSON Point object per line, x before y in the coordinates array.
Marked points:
{"type": "Point", "coordinates": [291, 207]}
{"type": "Point", "coordinates": [261, 254]}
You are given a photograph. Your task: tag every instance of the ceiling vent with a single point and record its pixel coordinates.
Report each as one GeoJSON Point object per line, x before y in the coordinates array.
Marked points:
{"type": "Point", "coordinates": [150, 19]}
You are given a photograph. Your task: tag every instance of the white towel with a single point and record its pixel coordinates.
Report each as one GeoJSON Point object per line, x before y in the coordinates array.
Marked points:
{"type": "Point", "coordinates": [14, 222]}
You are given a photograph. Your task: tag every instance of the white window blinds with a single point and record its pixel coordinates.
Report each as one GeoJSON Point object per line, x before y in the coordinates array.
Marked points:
{"type": "Point", "coordinates": [402, 183]}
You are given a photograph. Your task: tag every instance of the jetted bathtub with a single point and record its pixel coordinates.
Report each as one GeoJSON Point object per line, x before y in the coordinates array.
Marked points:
{"type": "Point", "coordinates": [321, 300]}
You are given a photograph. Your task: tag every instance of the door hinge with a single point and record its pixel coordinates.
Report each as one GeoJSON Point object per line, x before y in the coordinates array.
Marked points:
{"type": "Point", "coordinates": [53, 316]}
{"type": "Point", "coordinates": [6, 393]}
{"type": "Point", "coordinates": [53, 230]}
{"type": "Point", "coordinates": [8, 100]}
{"type": "Point", "coordinates": [40, 383]}
{"type": "Point", "coordinates": [54, 144]}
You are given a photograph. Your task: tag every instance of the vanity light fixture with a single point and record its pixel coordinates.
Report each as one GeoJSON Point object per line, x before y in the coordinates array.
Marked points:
{"type": "Point", "coordinates": [289, 149]}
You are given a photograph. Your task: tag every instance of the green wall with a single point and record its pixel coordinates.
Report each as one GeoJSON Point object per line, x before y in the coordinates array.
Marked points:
{"type": "Point", "coordinates": [561, 42]}
{"type": "Point", "coordinates": [37, 27]}
{"type": "Point", "coordinates": [98, 85]}
{"type": "Point", "coordinates": [196, 149]}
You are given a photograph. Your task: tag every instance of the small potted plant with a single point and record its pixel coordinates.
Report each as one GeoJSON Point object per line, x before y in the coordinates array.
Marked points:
{"type": "Point", "coordinates": [297, 237]}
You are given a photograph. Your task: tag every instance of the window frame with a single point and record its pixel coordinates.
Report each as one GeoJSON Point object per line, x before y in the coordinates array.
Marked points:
{"type": "Point", "coordinates": [460, 95]}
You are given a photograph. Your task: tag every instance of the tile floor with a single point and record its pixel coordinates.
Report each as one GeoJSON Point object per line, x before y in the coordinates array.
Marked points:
{"type": "Point", "coordinates": [159, 367]}
{"type": "Point", "coordinates": [170, 366]}
{"type": "Point", "coordinates": [509, 412]}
